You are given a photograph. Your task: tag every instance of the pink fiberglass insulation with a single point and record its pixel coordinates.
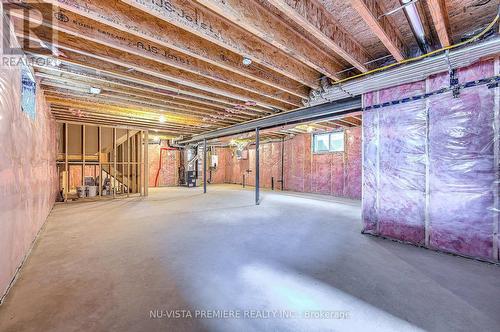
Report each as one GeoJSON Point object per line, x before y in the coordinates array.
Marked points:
{"type": "Point", "coordinates": [321, 174]}
{"type": "Point", "coordinates": [235, 168]}
{"type": "Point", "coordinates": [462, 172]}
{"type": "Point", "coordinates": [352, 164]}
{"type": "Point", "coordinates": [401, 165]}
{"type": "Point", "coordinates": [28, 175]}
{"type": "Point", "coordinates": [402, 141]}
{"type": "Point", "coordinates": [218, 174]}
{"type": "Point", "coordinates": [370, 164]}
{"type": "Point", "coordinates": [298, 164]}
{"type": "Point", "coordinates": [429, 166]}
{"type": "Point", "coordinates": [337, 174]}
{"type": "Point", "coordinates": [270, 165]}
{"type": "Point", "coordinates": [168, 174]}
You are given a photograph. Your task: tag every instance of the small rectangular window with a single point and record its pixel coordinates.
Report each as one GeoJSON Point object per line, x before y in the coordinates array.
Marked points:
{"type": "Point", "coordinates": [337, 142]}
{"type": "Point", "coordinates": [330, 142]}
{"type": "Point", "coordinates": [322, 143]}
{"type": "Point", "coordinates": [28, 92]}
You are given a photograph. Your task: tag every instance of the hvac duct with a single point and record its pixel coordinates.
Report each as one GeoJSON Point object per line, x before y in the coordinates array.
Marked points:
{"type": "Point", "coordinates": [414, 18]}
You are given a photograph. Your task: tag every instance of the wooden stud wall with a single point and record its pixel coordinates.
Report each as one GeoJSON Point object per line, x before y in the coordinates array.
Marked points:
{"type": "Point", "coordinates": [132, 167]}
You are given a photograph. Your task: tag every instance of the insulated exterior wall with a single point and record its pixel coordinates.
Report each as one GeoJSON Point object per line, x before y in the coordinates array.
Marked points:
{"type": "Point", "coordinates": [336, 174]}
{"type": "Point", "coordinates": [218, 175]}
{"type": "Point", "coordinates": [430, 176]}
{"type": "Point", "coordinates": [234, 168]}
{"type": "Point", "coordinates": [353, 164]}
{"type": "Point", "coordinates": [168, 171]}
{"type": "Point", "coordinates": [402, 141]}
{"type": "Point", "coordinates": [28, 176]}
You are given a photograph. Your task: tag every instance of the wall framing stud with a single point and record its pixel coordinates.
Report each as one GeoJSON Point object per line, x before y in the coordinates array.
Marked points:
{"type": "Point", "coordinates": [128, 162]}
{"type": "Point", "coordinates": [83, 155]}
{"type": "Point", "coordinates": [146, 163]}
{"type": "Point", "coordinates": [257, 166]}
{"type": "Point", "coordinates": [99, 160]}
{"type": "Point", "coordinates": [114, 162]}
{"type": "Point", "coordinates": [140, 164]}
{"type": "Point", "coordinates": [205, 166]}
{"type": "Point", "coordinates": [66, 162]}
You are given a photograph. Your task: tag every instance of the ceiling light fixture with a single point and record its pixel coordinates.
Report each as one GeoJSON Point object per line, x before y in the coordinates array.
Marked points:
{"type": "Point", "coordinates": [247, 61]}
{"type": "Point", "coordinates": [95, 91]}
{"type": "Point", "coordinates": [163, 119]}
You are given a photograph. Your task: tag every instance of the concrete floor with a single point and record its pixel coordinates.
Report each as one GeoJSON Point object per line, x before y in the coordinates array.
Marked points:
{"type": "Point", "coordinates": [104, 266]}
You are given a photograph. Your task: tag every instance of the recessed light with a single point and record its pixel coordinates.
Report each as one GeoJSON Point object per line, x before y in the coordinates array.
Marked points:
{"type": "Point", "coordinates": [163, 119]}
{"type": "Point", "coordinates": [247, 61]}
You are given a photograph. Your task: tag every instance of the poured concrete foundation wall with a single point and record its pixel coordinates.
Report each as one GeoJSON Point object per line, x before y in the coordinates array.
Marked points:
{"type": "Point", "coordinates": [28, 176]}
{"type": "Point", "coordinates": [431, 165]}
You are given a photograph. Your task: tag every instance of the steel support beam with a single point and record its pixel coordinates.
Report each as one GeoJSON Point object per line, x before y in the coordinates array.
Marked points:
{"type": "Point", "coordinates": [282, 164]}
{"type": "Point", "coordinates": [257, 168]}
{"type": "Point", "coordinates": [340, 108]}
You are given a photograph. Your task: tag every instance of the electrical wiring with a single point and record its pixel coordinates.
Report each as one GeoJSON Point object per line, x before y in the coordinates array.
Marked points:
{"type": "Point", "coordinates": [423, 56]}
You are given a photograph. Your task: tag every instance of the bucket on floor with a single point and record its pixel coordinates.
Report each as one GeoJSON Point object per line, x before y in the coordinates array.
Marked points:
{"type": "Point", "coordinates": [80, 191]}
{"type": "Point", "coordinates": [91, 191]}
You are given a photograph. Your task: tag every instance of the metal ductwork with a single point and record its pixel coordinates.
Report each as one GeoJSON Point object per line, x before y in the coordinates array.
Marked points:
{"type": "Point", "coordinates": [411, 72]}
{"type": "Point", "coordinates": [417, 26]}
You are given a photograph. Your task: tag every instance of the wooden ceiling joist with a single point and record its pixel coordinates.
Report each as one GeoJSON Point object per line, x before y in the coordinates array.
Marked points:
{"type": "Point", "coordinates": [75, 100]}
{"type": "Point", "coordinates": [84, 28]}
{"type": "Point", "coordinates": [80, 109]}
{"type": "Point", "coordinates": [47, 75]}
{"type": "Point", "coordinates": [147, 109]}
{"type": "Point", "coordinates": [252, 17]}
{"type": "Point", "coordinates": [195, 19]}
{"type": "Point", "coordinates": [123, 100]}
{"type": "Point", "coordinates": [128, 93]}
{"type": "Point", "coordinates": [439, 14]}
{"type": "Point", "coordinates": [83, 66]}
{"type": "Point", "coordinates": [114, 122]}
{"type": "Point", "coordinates": [372, 14]}
{"type": "Point", "coordinates": [315, 19]}
{"type": "Point", "coordinates": [157, 68]}
{"type": "Point", "coordinates": [91, 114]}
{"type": "Point", "coordinates": [153, 76]}
{"type": "Point", "coordinates": [97, 115]}
{"type": "Point", "coordinates": [125, 18]}
{"type": "Point", "coordinates": [352, 121]}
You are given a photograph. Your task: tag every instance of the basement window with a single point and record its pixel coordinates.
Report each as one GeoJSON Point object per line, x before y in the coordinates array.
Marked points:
{"type": "Point", "coordinates": [329, 142]}
{"type": "Point", "coordinates": [28, 92]}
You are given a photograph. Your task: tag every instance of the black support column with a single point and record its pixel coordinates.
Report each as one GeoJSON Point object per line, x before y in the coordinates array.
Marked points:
{"type": "Point", "coordinates": [205, 166]}
{"type": "Point", "coordinates": [257, 169]}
